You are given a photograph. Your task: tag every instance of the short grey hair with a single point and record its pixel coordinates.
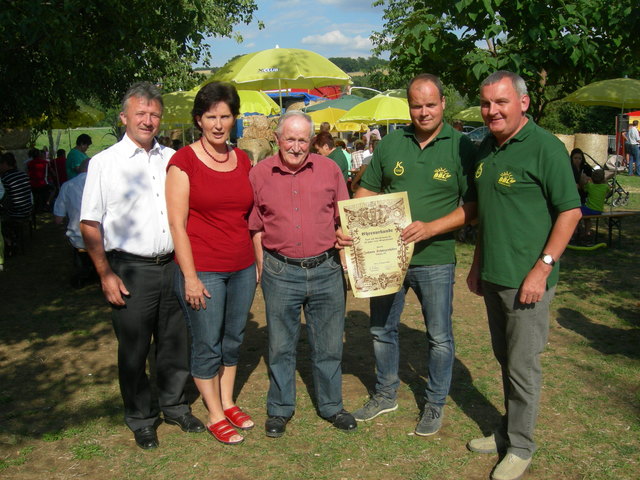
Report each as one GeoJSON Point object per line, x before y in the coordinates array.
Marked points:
{"type": "Point", "coordinates": [145, 90]}
{"type": "Point", "coordinates": [294, 113]}
{"type": "Point", "coordinates": [518, 83]}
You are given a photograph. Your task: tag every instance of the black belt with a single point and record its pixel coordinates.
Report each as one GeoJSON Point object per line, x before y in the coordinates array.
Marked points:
{"type": "Point", "coordinates": [309, 262]}
{"type": "Point", "coordinates": [130, 257]}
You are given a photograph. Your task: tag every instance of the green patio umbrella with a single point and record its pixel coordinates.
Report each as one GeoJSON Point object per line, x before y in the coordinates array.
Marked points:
{"type": "Point", "coordinates": [345, 102]}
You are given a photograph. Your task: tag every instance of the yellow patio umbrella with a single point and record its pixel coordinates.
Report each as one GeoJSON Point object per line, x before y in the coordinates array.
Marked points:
{"type": "Point", "coordinates": [252, 101]}
{"type": "Point", "coordinates": [330, 115]}
{"type": "Point", "coordinates": [352, 127]}
{"type": "Point", "coordinates": [333, 115]}
{"type": "Point", "coordinates": [471, 114]}
{"type": "Point", "coordinates": [178, 105]}
{"type": "Point", "coordinates": [379, 109]}
{"type": "Point", "coordinates": [617, 92]}
{"type": "Point", "coordinates": [281, 68]}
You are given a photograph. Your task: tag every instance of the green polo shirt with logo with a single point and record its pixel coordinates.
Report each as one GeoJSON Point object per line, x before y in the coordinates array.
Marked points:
{"type": "Point", "coordinates": [522, 186]}
{"type": "Point", "coordinates": [435, 179]}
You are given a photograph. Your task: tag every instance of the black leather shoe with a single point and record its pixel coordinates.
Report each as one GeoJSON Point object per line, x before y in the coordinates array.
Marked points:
{"type": "Point", "coordinates": [146, 438]}
{"type": "Point", "coordinates": [187, 422]}
{"type": "Point", "coordinates": [343, 420]}
{"type": "Point", "coordinates": [275, 426]}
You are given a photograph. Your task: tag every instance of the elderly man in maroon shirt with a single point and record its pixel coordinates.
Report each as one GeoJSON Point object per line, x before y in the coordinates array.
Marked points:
{"type": "Point", "coordinates": [293, 226]}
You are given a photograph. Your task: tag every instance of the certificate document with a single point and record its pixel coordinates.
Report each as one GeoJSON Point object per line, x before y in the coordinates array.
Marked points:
{"type": "Point", "coordinates": [378, 259]}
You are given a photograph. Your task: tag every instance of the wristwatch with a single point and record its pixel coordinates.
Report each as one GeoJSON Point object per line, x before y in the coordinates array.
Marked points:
{"type": "Point", "coordinates": [548, 259]}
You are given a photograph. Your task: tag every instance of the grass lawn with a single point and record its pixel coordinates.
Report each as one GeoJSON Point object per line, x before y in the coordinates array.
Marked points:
{"type": "Point", "coordinates": [61, 414]}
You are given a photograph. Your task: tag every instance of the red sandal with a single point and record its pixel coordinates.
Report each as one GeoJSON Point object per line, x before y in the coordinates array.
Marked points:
{"type": "Point", "coordinates": [223, 431]}
{"type": "Point", "coordinates": [237, 417]}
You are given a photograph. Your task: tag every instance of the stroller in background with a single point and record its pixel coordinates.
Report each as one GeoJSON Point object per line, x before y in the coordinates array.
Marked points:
{"type": "Point", "coordinates": [618, 196]}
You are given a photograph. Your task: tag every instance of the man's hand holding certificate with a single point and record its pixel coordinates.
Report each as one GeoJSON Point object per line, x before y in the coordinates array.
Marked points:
{"type": "Point", "coordinates": [378, 258]}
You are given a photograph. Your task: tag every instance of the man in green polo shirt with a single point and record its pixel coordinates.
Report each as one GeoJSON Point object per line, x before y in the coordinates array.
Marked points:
{"type": "Point", "coordinates": [528, 207]}
{"type": "Point", "coordinates": [433, 163]}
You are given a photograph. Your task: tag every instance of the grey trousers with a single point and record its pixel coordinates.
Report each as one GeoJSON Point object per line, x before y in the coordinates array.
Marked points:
{"type": "Point", "coordinates": [518, 335]}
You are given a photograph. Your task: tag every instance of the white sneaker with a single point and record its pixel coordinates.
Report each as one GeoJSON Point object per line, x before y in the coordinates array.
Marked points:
{"type": "Point", "coordinates": [512, 467]}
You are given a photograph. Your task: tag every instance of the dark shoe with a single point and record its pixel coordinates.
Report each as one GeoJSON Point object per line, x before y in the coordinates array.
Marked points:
{"type": "Point", "coordinates": [187, 422]}
{"type": "Point", "coordinates": [376, 405]}
{"type": "Point", "coordinates": [146, 438]}
{"type": "Point", "coordinates": [343, 420]}
{"type": "Point", "coordinates": [275, 426]}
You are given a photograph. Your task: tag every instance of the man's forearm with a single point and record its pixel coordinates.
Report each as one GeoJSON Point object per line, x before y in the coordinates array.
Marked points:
{"type": "Point", "coordinates": [93, 242]}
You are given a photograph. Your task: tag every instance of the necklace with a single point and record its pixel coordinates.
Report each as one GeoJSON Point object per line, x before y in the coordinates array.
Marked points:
{"type": "Point", "coordinates": [212, 157]}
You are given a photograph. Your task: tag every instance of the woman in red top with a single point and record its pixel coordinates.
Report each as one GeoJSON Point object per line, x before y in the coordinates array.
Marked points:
{"type": "Point", "coordinates": [38, 170]}
{"type": "Point", "coordinates": [209, 199]}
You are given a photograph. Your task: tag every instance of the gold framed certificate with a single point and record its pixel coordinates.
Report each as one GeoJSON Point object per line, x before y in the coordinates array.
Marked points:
{"type": "Point", "coordinates": [378, 259]}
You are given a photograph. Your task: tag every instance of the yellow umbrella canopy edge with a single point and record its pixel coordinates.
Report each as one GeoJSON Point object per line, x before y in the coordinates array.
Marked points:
{"type": "Point", "coordinates": [253, 101]}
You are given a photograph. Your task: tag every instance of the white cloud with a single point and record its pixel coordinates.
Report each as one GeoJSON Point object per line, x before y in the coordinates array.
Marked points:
{"type": "Point", "coordinates": [338, 39]}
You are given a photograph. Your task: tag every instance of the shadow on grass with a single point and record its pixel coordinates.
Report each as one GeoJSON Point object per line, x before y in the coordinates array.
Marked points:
{"type": "Point", "coordinates": [605, 339]}
{"type": "Point", "coordinates": [358, 360]}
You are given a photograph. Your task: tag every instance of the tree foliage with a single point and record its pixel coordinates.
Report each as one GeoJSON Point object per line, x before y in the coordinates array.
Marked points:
{"type": "Point", "coordinates": [55, 52]}
{"type": "Point", "coordinates": [360, 64]}
{"type": "Point", "coordinates": [555, 45]}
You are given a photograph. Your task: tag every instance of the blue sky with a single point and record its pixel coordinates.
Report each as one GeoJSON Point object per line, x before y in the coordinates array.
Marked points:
{"type": "Point", "coordinates": [332, 28]}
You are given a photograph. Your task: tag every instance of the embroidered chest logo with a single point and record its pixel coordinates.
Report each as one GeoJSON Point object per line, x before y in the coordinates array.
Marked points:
{"type": "Point", "coordinates": [398, 169]}
{"type": "Point", "coordinates": [506, 179]}
{"type": "Point", "coordinates": [441, 174]}
{"type": "Point", "coordinates": [479, 170]}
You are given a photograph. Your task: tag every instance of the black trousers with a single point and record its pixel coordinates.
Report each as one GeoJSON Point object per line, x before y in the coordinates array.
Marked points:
{"type": "Point", "coordinates": [151, 312]}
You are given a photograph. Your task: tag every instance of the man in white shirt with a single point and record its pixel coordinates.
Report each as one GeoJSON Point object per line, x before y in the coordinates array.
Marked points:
{"type": "Point", "coordinates": [634, 150]}
{"type": "Point", "coordinates": [125, 229]}
{"type": "Point", "coordinates": [68, 206]}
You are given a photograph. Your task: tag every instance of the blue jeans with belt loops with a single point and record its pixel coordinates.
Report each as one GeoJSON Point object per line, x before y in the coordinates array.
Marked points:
{"type": "Point", "coordinates": [433, 285]}
{"type": "Point", "coordinates": [320, 292]}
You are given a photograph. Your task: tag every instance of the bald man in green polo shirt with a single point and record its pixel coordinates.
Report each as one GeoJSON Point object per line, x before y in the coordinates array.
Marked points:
{"type": "Point", "coordinates": [528, 207]}
{"type": "Point", "coordinates": [433, 163]}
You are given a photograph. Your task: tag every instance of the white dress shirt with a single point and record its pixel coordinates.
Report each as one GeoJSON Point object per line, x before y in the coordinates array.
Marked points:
{"type": "Point", "coordinates": [633, 136]}
{"type": "Point", "coordinates": [124, 192]}
{"type": "Point", "coordinates": [68, 205]}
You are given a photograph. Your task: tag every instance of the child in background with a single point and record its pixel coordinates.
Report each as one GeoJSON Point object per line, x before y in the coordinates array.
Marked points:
{"type": "Point", "coordinates": [597, 190]}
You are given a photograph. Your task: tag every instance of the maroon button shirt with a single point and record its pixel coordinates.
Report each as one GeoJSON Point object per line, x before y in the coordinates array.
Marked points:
{"type": "Point", "coordinates": [297, 212]}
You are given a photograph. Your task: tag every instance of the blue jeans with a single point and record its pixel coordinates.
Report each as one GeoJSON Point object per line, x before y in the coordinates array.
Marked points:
{"type": "Point", "coordinates": [320, 291]}
{"type": "Point", "coordinates": [433, 285]}
{"type": "Point", "coordinates": [217, 331]}
{"type": "Point", "coordinates": [634, 159]}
